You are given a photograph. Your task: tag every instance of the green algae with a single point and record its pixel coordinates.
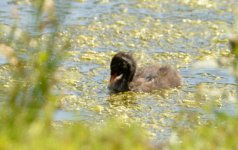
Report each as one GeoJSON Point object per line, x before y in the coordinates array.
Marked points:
{"type": "Point", "coordinates": [152, 41]}
{"type": "Point", "coordinates": [84, 75]}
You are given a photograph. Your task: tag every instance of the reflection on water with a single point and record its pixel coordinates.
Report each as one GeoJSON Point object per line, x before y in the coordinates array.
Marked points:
{"type": "Point", "coordinates": [170, 32]}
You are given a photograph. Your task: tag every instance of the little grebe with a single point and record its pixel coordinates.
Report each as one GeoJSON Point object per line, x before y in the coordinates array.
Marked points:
{"type": "Point", "coordinates": [126, 77]}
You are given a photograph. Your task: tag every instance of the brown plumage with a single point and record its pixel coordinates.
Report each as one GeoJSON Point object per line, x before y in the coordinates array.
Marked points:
{"type": "Point", "coordinates": [126, 77]}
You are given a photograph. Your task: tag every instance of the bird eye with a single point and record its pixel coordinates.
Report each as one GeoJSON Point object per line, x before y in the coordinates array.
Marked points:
{"type": "Point", "coordinates": [124, 65]}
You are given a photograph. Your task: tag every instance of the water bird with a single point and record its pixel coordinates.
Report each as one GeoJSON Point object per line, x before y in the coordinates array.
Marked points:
{"type": "Point", "coordinates": [125, 76]}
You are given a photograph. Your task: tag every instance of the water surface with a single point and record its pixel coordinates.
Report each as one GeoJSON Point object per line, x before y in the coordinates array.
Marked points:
{"type": "Point", "coordinates": [191, 36]}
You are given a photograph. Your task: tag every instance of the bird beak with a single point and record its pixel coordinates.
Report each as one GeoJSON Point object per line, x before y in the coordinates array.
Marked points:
{"type": "Point", "coordinates": [115, 77]}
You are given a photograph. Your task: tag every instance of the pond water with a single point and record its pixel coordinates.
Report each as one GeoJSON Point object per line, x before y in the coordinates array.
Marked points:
{"type": "Point", "coordinates": [189, 35]}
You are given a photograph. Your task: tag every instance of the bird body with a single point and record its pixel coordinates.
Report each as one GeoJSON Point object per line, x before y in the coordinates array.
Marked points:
{"type": "Point", "coordinates": [125, 76]}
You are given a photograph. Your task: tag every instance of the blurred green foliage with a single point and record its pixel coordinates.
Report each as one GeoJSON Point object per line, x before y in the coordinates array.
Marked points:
{"type": "Point", "coordinates": [26, 116]}
{"type": "Point", "coordinates": [218, 134]}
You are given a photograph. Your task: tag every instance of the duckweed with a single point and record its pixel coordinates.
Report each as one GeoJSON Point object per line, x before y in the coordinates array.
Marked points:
{"type": "Point", "coordinates": [178, 33]}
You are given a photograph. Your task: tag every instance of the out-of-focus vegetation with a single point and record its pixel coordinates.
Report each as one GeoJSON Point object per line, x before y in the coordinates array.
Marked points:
{"type": "Point", "coordinates": [219, 134]}
{"type": "Point", "coordinates": [30, 100]}
{"type": "Point", "coordinates": [26, 116]}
